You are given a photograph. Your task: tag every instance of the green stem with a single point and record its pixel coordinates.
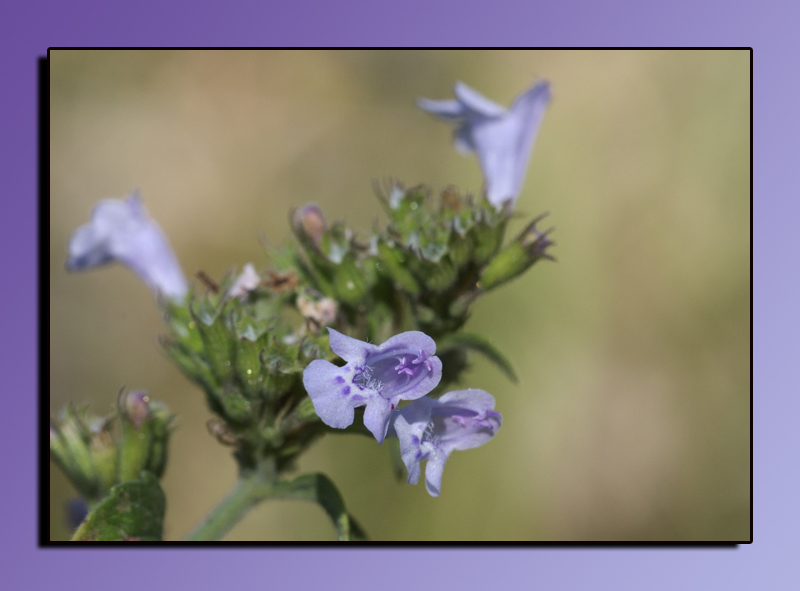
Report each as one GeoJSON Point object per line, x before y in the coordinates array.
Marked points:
{"type": "Point", "coordinates": [252, 488]}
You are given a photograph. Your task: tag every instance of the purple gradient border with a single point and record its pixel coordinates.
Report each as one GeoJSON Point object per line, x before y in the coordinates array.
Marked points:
{"type": "Point", "coordinates": [27, 31]}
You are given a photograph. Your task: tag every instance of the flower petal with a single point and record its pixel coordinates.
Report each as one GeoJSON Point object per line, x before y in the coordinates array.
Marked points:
{"type": "Point", "coordinates": [472, 398]}
{"type": "Point", "coordinates": [409, 426]}
{"type": "Point", "coordinates": [502, 139]}
{"type": "Point", "coordinates": [331, 392]}
{"type": "Point", "coordinates": [433, 472]}
{"type": "Point", "coordinates": [476, 103]}
{"type": "Point", "coordinates": [425, 385]}
{"type": "Point", "coordinates": [376, 417]}
{"type": "Point", "coordinates": [413, 339]}
{"type": "Point", "coordinates": [468, 419]}
{"type": "Point", "coordinates": [448, 109]}
{"type": "Point", "coordinates": [348, 348]}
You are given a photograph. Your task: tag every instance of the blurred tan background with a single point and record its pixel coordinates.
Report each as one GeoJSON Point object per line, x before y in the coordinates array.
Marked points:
{"type": "Point", "coordinates": [631, 418]}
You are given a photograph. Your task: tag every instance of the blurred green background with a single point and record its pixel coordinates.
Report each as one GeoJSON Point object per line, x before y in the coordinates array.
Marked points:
{"type": "Point", "coordinates": [631, 420]}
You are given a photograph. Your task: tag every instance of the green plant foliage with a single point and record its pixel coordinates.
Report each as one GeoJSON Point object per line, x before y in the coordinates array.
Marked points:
{"type": "Point", "coordinates": [133, 511]}
{"type": "Point", "coordinates": [318, 488]}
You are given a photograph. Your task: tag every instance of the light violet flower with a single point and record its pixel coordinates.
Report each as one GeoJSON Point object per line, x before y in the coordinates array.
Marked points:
{"type": "Point", "coordinates": [502, 139]}
{"type": "Point", "coordinates": [245, 283]}
{"type": "Point", "coordinates": [431, 429]}
{"type": "Point", "coordinates": [403, 368]}
{"type": "Point", "coordinates": [120, 230]}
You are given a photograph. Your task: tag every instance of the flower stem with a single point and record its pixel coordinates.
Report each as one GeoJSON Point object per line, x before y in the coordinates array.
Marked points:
{"type": "Point", "coordinates": [252, 488]}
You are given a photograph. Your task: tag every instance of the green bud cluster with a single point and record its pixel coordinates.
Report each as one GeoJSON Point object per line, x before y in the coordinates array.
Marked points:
{"type": "Point", "coordinates": [248, 355]}
{"type": "Point", "coordinates": [247, 349]}
{"type": "Point", "coordinates": [96, 456]}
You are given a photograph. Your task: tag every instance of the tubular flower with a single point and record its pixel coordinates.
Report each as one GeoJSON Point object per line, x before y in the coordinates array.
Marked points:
{"type": "Point", "coordinates": [120, 230]}
{"type": "Point", "coordinates": [431, 429]}
{"type": "Point", "coordinates": [502, 139]}
{"type": "Point", "coordinates": [403, 368]}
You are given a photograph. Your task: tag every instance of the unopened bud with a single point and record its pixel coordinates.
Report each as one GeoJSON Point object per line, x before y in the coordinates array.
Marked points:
{"type": "Point", "coordinates": [308, 221]}
{"type": "Point", "coordinates": [135, 445]}
{"type": "Point", "coordinates": [105, 455]}
{"type": "Point", "coordinates": [69, 447]}
{"type": "Point", "coordinates": [530, 246]}
{"type": "Point", "coordinates": [133, 407]}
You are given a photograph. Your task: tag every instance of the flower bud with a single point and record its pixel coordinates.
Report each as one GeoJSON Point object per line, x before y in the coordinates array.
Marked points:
{"type": "Point", "coordinates": [530, 246]}
{"type": "Point", "coordinates": [136, 437]}
{"type": "Point", "coordinates": [69, 447]}
{"type": "Point", "coordinates": [160, 426]}
{"type": "Point", "coordinates": [309, 224]}
{"type": "Point", "coordinates": [105, 456]}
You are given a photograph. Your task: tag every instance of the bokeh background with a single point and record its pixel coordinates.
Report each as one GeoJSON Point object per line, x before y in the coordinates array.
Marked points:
{"type": "Point", "coordinates": [631, 420]}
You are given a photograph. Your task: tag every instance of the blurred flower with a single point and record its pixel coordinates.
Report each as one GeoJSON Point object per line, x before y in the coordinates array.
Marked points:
{"type": "Point", "coordinates": [502, 139]}
{"type": "Point", "coordinates": [245, 283]}
{"type": "Point", "coordinates": [134, 407]}
{"type": "Point", "coordinates": [309, 221]}
{"type": "Point", "coordinates": [402, 368]}
{"type": "Point", "coordinates": [120, 230]}
{"type": "Point", "coordinates": [76, 511]}
{"type": "Point", "coordinates": [320, 312]}
{"type": "Point", "coordinates": [430, 429]}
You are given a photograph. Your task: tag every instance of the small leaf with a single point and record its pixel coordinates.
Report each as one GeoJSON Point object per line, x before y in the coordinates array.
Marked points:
{"type": "Point", "coordinates": [479, 344]}
{"type": "Point", "coordinates": [134, 510]}
{"type": "Point", "coordinates": [318, 488]}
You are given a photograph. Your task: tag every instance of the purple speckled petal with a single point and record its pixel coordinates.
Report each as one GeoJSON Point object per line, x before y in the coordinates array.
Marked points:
{"type": "Point", "coordinates": [431, 429]}
{"type": "Point", "coordinates": [350, 349]}
{"type": "Point", "coordinates": [120, 230]}
{"type": "Point", "coordinates": [376, 417]}
{"type": "Point", "coordinates": [433, 472]}
{"type": "Point", "coordinates": [332, 393]}
{"type": "Point", "coordinates": [409, 425]}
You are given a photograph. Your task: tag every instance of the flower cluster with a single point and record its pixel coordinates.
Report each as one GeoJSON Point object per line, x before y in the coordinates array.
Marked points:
{"type": "Point", "coordinates": [403, 368]}
{"type": "Point", "coordinates": [262, 344]}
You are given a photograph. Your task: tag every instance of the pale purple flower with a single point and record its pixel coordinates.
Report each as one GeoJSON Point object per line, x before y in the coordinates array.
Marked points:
{"type": "Point", "coordinates": [431, 429]}
{"type": "Point", "coordinates": [502, 139]}
{"type": "Point", "coordinates": [403, 368]}
{"type": "Point", "coordinates": [120, 230]}
{"type": "Point", "coordinates": [248, 281]}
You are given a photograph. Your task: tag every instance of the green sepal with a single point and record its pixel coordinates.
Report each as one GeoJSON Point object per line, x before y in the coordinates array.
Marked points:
{"type": "Point", "coordinates": [191, 364]}
{"type": "Point", "coordinates": [217, 342]}
{"type": "Point", "coordinates": [249, 369]}
{"type": "Point", "coordinates": [530, 246]}
{"type": "Point", "coordinates": [237, 407]}
{"type": "Point", "coordinates": [473, 342]}
{"type": "Point", "coordinates": [393, 262]}
{"type": "Point", "coordinates": [134, 449]}
{"type": "Point", "coordinates": [350, 282]}
{"type": "Point", "coordinates": [161, 428]}
{"type": "Point", "coordinates": [70, 447]}
{"type": "Point", "coordinates": [438, 276]}
{"type": "Point", "coordinates": [319, 489]}
{"type": "Point", "coordinates": [508, 264]}
{"type": "Point", "coordinates": [487, 238]}
{"type": "Point", "coordinates": [105, 456]}
{"type": "Point", "coordinates": [133, 511]}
